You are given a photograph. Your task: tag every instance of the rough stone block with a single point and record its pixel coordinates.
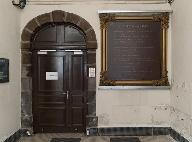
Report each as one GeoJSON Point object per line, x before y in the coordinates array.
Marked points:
{"type": "Point", "coordinates": [26, 98]}
{"type": "Point", "coordinates": [26, 35]}
{"type": "Point", "coordinates": [58, 16]}
{"type": "Point", "coordinates": [92, 84]}
{"type": "Point", "coordinates": [26, 121]}
{"type": "Point", "coordinates": [25, 84]}
{"type": "Point", "coordinates": [72, 18]}
{"type": "Point", "coordinates": [91, 58]}
{"type": "Point", "coordinates": [91, 121]}
{"type": "Point", "coordinates": [32, 25]}
{"type": "Point", "coordinates": [26, 71]}
{"type": "Point", "coordinates": [26, 109]}
{"type": "Point", "coordinates": [91, 44]}
{"type": "Point", "coordinates": [44, 18]}
{"type": "Point", "coordinates": [91, 97]}
{"type": "Point", "coordinates": [26, 57]}
{"type": "Point", "coordinates": [25, 45]}
{"type": "Point", "coordinates": [84, 25]}
{"type": "Point", "coordinates": [91, 109]}
{"type": "Point", "coordinates": [90, 35]}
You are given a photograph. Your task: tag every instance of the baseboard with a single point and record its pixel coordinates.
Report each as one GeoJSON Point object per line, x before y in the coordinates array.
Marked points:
{"type": "Point", "coordinates": [16, 136]}
{"type": "Point", "coordinates": [136, 131]}
{"type": "Point", "coordinates": [177, 136]}
{"type": "Point", "coordinates": [129, 131]}
{"type": "Point", "coordinates": [117, 131]}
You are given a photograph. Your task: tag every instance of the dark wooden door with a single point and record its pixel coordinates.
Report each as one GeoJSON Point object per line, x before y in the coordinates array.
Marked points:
{"type": "Point", "coordinates": [59, 91]}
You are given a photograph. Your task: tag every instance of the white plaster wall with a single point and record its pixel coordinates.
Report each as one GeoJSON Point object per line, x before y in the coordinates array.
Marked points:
{"type": "Point", "coordinates": [122, 108]}
{"type": "Point", "coordinates": [115, 107]}
{"type": "Point", "coordinates": [181, 94]}
{"type": "Point", "coordinates": [9, 48]}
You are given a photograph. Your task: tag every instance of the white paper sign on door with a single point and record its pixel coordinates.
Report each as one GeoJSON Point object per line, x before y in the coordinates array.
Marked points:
{"type": "Point", "coordinates": [52, 76]}
{"type": "Point", "coordinates": [91, 72]}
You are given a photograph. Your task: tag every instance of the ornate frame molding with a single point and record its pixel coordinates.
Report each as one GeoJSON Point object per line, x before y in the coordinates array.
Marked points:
{"type": "Point", "coordinates": [105, 18]}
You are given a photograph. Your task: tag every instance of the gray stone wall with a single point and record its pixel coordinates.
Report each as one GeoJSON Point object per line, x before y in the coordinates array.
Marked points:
{"type": "Point", "coordinates": [92, 119]}
{"type": "Point", "coordinates": [26, 90]}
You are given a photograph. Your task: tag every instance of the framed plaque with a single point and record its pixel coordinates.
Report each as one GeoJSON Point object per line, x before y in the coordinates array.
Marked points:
{"type": "Point", "coordinates": [4, 70]}
{"type": "Point", "coordinates": [134, 50]}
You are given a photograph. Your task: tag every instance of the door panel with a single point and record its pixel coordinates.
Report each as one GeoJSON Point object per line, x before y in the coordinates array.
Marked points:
{"type": "Point", "coordinates": [57, 117]}
{"type": "Point", "coordinates": [58, 102]}
{"type": "Point", "coordinates": [76, 72]}
{"type": "Point", "coordinates": [49, 97]}
{"type": "Point", "coordinates": [52, 99]}
{"type": "Point", "coordinates": [76, 87]}
{"type": "Point", "coordinates": [77, 115]}
{"type": "Point", "coordinates": [47, 64]}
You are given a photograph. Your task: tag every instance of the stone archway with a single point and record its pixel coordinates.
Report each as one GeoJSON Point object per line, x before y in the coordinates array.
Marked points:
{"type": "Point", "coordinates": [26, 65]}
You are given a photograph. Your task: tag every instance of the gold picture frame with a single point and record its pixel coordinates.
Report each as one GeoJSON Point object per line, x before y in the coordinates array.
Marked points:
{"type": "Point", "coordinates": [106, 18]}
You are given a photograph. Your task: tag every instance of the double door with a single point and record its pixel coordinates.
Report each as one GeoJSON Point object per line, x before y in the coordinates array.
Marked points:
{"type": "Point", "coordinates": [59, 91]}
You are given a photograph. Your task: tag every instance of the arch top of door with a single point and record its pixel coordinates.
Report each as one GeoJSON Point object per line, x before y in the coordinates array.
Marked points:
{"type": "Point", "coordinates": [58, 16]}
{"type": "Point", "coordinates": [59, 36]}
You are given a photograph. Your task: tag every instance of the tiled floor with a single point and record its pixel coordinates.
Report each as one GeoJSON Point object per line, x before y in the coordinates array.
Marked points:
{"type": "Point", "coordinates": [47, 138]}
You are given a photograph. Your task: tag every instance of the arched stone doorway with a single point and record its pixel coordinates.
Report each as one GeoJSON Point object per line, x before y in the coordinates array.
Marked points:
{"type": "Point", "coordinates": [26, 49]}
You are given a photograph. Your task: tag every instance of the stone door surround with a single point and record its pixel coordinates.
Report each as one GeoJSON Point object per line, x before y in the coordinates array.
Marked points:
{"type": "Point", "coordinates": [28, 33]}
{"type": "Point", "coordinates": [58, 16]}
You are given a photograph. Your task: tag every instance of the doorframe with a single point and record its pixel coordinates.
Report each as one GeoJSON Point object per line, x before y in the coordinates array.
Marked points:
{"type": "Point", "coordinates": [36, 55]}
{"type": "Point", "coordinates": [26, 62]}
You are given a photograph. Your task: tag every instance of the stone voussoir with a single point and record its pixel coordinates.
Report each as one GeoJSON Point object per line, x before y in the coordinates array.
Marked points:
{"type": "Point", "coordinates": [32, 25]}
{"type": "Point", "coordinates": [91, 44]}
{"type": "Point", "coordinates": [26, 35]}
{"type": "Point", "coordinates": [44, 18]}
{"type": "Point", "coordinates": [84, 25]}
{"type": "Point", "coordinates": [25, 45]}
{"type": "Point", "coordinates": [58, 16]}
{"type": "Point", "coordinates": [90, 36]}
{"type": "Point", "coordinates": [72, 18]}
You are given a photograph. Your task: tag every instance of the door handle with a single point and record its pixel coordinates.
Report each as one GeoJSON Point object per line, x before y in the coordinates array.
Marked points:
{"type": "Point", "coordinates": [67, 95]}
{"type": "Point", "coordinates": [63, 93]}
